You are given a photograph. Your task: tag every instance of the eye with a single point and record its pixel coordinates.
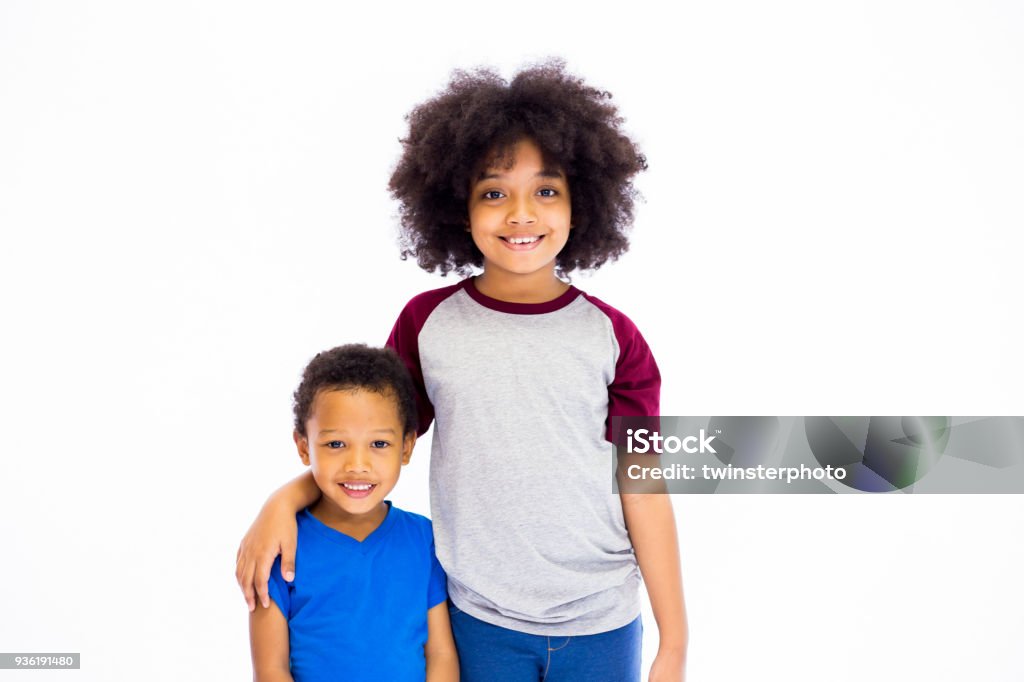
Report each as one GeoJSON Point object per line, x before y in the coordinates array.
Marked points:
{"type": "Point", "coordinates": [334, 444]}
{"type": "Point", "coordinates": [493, 194]}
{"type": "Point", "coordinates": [380, 444]}
{"type": "Point", "coordinates": [547, 192]}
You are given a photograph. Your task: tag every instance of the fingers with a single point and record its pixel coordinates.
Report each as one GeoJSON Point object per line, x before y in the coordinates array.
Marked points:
{"type": "Point", "coordinates": [288, 560]}
{"type": "Point", "coordinates": [262, 577]}
{"type": "Point", "coordinates": [243, 574]}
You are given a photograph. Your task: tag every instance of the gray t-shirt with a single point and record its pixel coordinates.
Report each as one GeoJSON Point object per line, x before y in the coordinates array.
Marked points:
{"type": "Point", "coordinates": [525, 521]}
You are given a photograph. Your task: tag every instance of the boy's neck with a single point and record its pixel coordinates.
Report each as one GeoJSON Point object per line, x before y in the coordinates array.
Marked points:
{"type": "Point", "coordinates": [356, 526]}
{"type": "Point", "coordinates": [538, 287]}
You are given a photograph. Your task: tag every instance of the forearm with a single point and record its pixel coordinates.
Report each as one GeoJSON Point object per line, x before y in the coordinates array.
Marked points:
{"type": "Point", "coordinates": [274, 675]}
{"type": "Point", "coordinates": [652, 530]}
{"type": "Point", "coordinates": [273, 533]}
{"type": "Point", "coordinates": [443, 667]}
{"type": "Point", "coordinates": [296, 494]}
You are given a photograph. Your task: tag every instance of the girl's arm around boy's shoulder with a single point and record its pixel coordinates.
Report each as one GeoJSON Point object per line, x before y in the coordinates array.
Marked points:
{"type": "Point", "coordinates": [442, 659]}
{"type": "Point", "coordinates": [268, 638]}
{"type": "Point", "coordinates": [273, 532]}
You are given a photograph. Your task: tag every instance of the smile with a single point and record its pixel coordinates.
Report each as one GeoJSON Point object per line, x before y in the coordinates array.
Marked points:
{"type": "Point", "coordinates": [521, 243]}
{"type": "Point", "coordinates": [357, 488]}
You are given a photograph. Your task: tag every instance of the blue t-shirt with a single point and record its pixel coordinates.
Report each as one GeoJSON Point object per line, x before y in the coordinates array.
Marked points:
{"type": "Point", "coordinates": [358, 610]}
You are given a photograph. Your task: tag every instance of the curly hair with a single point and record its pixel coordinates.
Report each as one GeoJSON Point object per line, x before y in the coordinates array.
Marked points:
{"type": "Point", "coordinates": [356, 366]}
{"type": "Point", "coordinates": [474, 122]}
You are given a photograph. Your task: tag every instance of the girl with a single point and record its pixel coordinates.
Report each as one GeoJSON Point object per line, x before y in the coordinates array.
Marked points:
{"type": "Point", "coordinates": [522, 372]}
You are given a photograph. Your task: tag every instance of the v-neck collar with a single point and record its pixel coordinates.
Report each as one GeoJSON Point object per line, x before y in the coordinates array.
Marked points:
{"type": "Point", "coordinates": [339, 538]}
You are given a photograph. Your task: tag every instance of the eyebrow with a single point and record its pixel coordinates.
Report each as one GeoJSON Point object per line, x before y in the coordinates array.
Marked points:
{"type": "Point", "coordinates": [552, 173]}
{"type": "Point", "coordinates": [326, 431]}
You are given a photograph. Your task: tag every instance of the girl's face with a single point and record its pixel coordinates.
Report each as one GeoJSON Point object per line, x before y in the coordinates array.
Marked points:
{"type": "Point", "coordinates": [520, 216]}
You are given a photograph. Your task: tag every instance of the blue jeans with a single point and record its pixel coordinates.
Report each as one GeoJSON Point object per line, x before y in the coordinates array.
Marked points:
{"type": "Point", "coordinates": [488, 653]}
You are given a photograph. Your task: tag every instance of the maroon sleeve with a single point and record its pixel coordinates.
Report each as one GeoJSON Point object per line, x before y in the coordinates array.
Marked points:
{"type": "Point", "coordinates": [635, 390]}
{"type": "Point", "coordinates": [404, 339]}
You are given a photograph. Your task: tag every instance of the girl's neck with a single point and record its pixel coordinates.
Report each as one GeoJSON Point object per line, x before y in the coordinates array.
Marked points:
{"type": "Point", "coordinates": [538, 287]}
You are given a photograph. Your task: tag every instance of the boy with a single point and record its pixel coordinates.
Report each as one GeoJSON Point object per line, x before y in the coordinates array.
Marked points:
{"type": "Point", "coordinates": [369, 600]}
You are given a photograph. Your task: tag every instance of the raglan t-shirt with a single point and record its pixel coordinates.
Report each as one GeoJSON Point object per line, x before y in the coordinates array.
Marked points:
{"type": "Point", "coordinates": [525, 521]}
{"type": "Point", "coordinates": [358, 610]}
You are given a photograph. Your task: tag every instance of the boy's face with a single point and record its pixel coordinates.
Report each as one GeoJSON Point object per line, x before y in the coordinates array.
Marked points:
{"type": "Point", "coordinates": [355, 446]}
{"type": "Point", "coordinates": [520, 217]}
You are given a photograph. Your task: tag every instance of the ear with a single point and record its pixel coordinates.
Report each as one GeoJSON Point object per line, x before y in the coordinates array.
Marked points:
{"type": "Point", "coordinates": [407, 445]}
{"type": "Point", "coordinates": [302, 444]}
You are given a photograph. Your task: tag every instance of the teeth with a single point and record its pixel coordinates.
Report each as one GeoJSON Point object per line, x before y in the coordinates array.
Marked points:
{"type": "Point", "coordinates": [522, 240]}
{"type": "Point", "coordinates": [357, 486]}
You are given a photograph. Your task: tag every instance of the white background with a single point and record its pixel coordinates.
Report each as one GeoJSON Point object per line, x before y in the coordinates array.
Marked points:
{"type": "Point", "coordinates": [193, 203]}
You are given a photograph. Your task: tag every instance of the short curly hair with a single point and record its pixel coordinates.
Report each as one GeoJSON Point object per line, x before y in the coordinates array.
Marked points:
{"type": "Point", "coordinates": [353, 367]}
{"type": "Point", "coordinates": [474, 122]}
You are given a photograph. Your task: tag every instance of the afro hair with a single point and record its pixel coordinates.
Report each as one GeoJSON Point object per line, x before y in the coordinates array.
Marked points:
{"type": "Point", "coordinates": [356, 367]}
{"type": "Point", "coordinates": [474, 122]}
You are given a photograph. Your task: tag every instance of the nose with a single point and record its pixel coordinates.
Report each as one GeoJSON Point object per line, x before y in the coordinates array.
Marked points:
{"type": "Point", "coordinates": [521, 212]}
{"type": "Point", "coordinates": [358, 461]}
